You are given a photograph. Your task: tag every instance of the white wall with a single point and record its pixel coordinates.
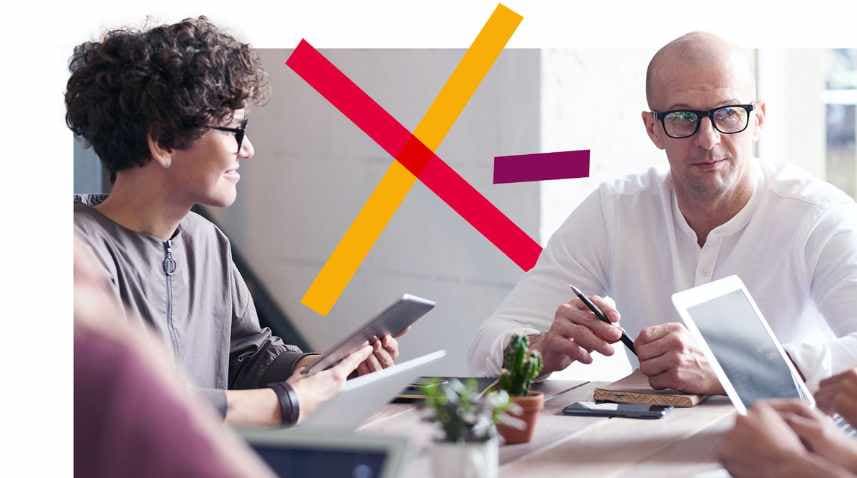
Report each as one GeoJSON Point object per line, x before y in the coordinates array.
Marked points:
{"type": "Point", "coordinates": [791, 81]}
{"type": "Point", "coordinates": [592, 99]}
{"type": "Point", "coordinates": [314, 169]}
{"type": "Point", "coordinates": [88, 173]}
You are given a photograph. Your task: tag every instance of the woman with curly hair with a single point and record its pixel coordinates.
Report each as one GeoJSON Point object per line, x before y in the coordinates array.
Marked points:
{"type": "Point", "coordinates": [165, 110]}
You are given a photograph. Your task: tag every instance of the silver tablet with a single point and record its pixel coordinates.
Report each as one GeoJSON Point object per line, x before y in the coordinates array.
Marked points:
{"type": "Point", "coordinates": [738, 342]}
{"type": "Point", "coordinates": [393, 320]}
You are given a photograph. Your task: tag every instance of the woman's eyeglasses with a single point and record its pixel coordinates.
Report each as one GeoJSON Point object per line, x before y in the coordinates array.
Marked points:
{"type": "Point", "coordinates": [238, 132]}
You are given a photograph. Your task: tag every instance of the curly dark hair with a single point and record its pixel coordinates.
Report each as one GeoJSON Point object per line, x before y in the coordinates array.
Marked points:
{"type": "Point", "coordinates": [170, 81]}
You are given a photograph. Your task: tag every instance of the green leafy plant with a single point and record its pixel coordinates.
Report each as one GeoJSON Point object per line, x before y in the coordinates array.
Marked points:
{"type": "Point", "coordinates": [520, 366]}
{"type": "Point", "coordinates": [462, 413]}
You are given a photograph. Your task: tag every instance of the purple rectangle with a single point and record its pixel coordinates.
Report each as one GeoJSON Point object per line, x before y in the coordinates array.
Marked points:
{"type": "Point", "coordinates": [541, 166]}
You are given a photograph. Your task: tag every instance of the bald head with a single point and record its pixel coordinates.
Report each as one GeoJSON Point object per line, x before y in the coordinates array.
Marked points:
{"type": "Point", "coordinates": [692, 54]}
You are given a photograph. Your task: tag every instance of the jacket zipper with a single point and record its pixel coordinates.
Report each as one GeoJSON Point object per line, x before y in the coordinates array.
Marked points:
{"type": "Point", "coordinates": [169, 266]}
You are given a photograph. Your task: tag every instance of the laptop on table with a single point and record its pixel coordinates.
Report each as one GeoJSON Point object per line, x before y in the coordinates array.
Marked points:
{"type": "Point", "coordinates": [296, 452]}
{"type": "Point", "coordinates": [324, 443]}
{"type": "Point", "coordinates": [362, 396]}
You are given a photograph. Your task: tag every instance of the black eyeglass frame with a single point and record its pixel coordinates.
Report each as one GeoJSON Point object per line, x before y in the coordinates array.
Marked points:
{"type": "Point", "coordinates": [239, 132]}
{"type": "Point", "coordinates": [660, 115]}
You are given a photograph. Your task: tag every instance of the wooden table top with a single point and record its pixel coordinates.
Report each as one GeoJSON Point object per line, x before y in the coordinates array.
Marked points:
{"type": "Point", "coordinates": [682, 443]}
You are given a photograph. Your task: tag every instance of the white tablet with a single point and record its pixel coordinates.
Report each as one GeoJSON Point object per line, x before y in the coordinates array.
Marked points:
{"type": "Point", "coordinates": [393, 320]}
{"type": "Point", "coordinates": [738, 343]}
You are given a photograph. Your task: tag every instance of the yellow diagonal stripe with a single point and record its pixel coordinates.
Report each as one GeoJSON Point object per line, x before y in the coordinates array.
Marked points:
{"type": "Point", "coordinates": [393, 188]}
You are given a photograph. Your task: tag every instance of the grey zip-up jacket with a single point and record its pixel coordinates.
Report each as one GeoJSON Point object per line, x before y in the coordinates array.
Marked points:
{"type": "Point", "coordinates": [189, 290]}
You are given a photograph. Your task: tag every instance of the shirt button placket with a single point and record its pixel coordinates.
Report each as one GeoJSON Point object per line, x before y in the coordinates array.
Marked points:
{"type": "Point", "coordinates": [705, 267]}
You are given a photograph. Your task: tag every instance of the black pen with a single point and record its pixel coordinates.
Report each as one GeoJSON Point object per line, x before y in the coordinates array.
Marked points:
{"type": "Point", "coordinates": [603, 318]}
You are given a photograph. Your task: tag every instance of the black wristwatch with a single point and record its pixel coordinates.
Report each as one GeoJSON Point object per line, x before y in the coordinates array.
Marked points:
{"type": "Point", "coordinates": [289, 406]}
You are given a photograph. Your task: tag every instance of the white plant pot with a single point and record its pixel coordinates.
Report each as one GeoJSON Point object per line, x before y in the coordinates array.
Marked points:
{"type": "Point", "coordinates": [465, 459]}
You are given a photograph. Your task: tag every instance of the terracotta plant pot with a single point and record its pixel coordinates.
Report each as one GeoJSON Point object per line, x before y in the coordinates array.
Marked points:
{"type": "Point", "coordinates": [531, 405]}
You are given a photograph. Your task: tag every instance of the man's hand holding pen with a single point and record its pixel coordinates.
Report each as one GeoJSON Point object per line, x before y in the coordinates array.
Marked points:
{"type": "Point", "coordinates": [575, 333]}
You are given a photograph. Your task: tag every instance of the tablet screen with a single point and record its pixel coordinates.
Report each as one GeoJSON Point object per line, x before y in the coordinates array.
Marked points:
{"type": "Point", "coordinates": [306, 461]}
{"type": "Point", "coordinates": [745, 351]}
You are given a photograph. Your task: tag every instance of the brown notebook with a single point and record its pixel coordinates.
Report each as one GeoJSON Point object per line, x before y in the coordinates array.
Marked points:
{"type": "Point", "coordinates": [635, 388]}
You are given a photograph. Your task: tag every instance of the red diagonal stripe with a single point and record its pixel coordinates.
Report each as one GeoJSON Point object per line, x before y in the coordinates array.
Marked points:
{"type": "Point", "coordinates": [394, 138]}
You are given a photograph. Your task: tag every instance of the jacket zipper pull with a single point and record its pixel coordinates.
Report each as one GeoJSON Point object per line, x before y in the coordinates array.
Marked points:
{"type": "Point", "coordinates": [169, 263]}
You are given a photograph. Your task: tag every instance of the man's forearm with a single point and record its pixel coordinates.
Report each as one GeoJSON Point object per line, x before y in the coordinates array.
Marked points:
{"type": "Point", "coordinates": [257, 407]}
{"type": "Point", "coordinates": [808, 464]}
{"type": "Point", "coordinates": [813, 465]}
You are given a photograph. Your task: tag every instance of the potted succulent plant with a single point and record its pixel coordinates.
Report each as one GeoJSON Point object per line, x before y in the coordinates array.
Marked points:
{"type": "Point", "coordinates": [468, 446]}
{"type": "Point", "coordinates": [520, 367]}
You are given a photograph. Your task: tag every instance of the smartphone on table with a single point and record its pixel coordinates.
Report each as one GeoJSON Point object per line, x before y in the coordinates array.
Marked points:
{"type": "Point", "coordinates": [625, 410]}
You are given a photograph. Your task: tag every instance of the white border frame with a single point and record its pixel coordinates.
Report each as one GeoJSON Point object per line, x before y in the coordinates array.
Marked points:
{"type": "Point", "coordinates": [691, 297]}
{"type": "Point", "coordinates": [43, 52]}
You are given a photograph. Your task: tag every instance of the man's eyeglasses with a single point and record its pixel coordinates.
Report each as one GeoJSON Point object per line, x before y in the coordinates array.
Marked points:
{"type": "Point", "coordinates": [728, 119]}
{"type": "Point", "coordinates": [238, 132]}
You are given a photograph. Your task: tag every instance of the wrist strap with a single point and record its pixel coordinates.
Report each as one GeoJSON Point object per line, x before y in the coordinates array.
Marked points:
{"type": "Point", "coordinates": [289, 406]}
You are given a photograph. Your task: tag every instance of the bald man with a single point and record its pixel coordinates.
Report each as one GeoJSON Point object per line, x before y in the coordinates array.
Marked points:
{"type": "Point", "coordinates": [716, 211]}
